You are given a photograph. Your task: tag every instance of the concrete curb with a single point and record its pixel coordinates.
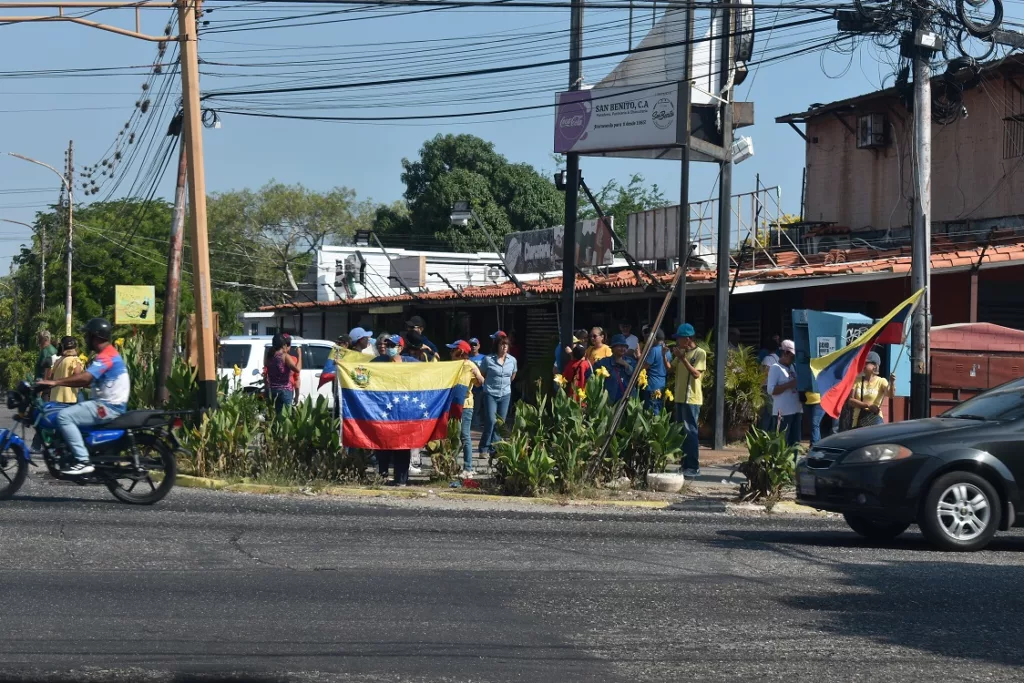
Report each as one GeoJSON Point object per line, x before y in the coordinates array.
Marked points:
{"type": "Point", "coordinates": [710, 506]}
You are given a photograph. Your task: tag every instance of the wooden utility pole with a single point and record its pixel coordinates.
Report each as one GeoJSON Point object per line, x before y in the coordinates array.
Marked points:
{"type": "Point", "coordinates": [70, 184]}
{"type": "Point", "coordinates": [188, 11]}
{"type": "Point", "coordinates": [172, 292]}
{"type": "Point", "coordinates": [920, 233]}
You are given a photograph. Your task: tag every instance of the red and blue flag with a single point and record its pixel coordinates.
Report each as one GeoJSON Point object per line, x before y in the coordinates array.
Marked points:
{"type": "Point", "coordinates": [836, 373]}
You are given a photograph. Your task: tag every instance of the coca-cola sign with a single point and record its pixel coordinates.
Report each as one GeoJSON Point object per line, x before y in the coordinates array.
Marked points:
{"type": "Point", "coordinates": [573, 115]}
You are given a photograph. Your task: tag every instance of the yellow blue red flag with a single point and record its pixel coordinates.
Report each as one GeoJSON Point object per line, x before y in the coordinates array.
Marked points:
{"type": "Point", "coordinates": [835, 373]}
{"type": "Point", "coordinates": [387, 406]}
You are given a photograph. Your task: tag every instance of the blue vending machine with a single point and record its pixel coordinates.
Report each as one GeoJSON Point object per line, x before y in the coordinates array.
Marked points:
{"type": "Point", "coordinates": [819, 333]}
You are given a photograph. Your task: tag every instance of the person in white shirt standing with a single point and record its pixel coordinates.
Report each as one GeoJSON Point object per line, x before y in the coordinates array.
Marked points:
{"type": "Point", "coordinates": [781, 387]}
{"type": "Point", "coordinates": [767, 420]}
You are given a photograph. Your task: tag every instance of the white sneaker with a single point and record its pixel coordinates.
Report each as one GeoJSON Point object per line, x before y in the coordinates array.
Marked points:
{"type": "Point", "coordinates": [415, 470]}
{"type": "Point", "coordinates": [78, 468]}
{"type": "Point", "coordinates": [466, 474]}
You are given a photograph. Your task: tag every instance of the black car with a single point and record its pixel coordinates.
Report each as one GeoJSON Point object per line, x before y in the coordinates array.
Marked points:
{"type": "Point", "coordinates": [956, 476]}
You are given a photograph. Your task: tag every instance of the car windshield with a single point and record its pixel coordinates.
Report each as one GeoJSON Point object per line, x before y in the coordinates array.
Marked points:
{"type": "Point", "coordinates": [1005, 402]}
{"type": "Point", "coordinates": [234, 354]}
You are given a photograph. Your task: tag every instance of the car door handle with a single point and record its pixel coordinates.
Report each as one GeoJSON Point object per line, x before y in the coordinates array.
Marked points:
{"type": "Point", "coordinates": [317, 375]}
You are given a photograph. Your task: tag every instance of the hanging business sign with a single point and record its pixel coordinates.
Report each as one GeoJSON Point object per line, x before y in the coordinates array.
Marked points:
{"type": "Point", "coordinates": [614, 119]}
{"type": "Point", "coordinates": [540, 251]}
{"type": "Point", "coordinates": [134, 305]}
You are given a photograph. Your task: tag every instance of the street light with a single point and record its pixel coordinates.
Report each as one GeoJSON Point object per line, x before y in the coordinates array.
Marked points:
{"type": "Point", "coordinates": [42, 261]}
{"type": "Point", "coordinates": [67, 185]}
{"type": "Point", "coordinates": [461, 215]}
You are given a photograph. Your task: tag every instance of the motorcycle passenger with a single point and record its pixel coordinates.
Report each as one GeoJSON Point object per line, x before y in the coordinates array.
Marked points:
{"type": "Point", "coordinates": [111, 387]}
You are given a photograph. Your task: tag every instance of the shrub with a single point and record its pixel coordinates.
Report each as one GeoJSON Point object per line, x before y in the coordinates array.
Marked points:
{"type": "Point", "coordinates": [744, 397]}
{"type": "Point", "coordinates": [446, 454]}
{"type": "Point", "coordinates": [769, 467]}
{"type": "Point", "coordinates": [524, 467]}
{"type": "Point", "coordinates": [643, 443]}
{"type": "Point", "coordinates": [16, 365]}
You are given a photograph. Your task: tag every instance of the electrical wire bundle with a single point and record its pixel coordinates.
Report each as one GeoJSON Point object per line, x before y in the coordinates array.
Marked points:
{"type": "Point", "coordinates": [963, 32]}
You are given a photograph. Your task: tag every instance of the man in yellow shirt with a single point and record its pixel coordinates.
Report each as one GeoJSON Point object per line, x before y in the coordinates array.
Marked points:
{"type": "Point", "coordinates": [689, 364]}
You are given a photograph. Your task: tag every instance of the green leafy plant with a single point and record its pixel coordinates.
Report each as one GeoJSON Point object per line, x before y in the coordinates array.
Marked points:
{"type": "Point", "coordinates": [769, 467]}
{"type": "Point", "coordinates": [446, 454]}
{"type": "Point", "coordinates": [643, 443]}
{"type": "Point", "coordinates": [525, 467]}
{"type": "Point", "coordinates": [744, 397]}
{"type": "Point", "coordinates": [16, 365]}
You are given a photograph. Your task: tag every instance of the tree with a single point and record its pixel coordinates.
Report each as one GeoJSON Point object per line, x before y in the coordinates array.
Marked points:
{"type": "Point", "coordinates": [507, 197]}
{"type": "Point", "coordinates": [268, 235]}
{"type": "Point", "coordinates": [620, 201]}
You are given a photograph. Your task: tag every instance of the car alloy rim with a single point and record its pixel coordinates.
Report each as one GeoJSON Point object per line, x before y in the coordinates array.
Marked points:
{"type": "Point", "coordinates": [964, 512]}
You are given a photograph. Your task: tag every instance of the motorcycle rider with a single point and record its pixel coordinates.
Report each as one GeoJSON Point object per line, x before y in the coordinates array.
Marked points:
{"type": "Point", "coordinates": [111, 386]}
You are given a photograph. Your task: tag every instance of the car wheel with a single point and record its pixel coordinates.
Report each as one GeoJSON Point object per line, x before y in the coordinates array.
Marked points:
{"type": "Point", "coordinates": [961, 512]}
{"type": "Point", "coordinates": [875, 529]}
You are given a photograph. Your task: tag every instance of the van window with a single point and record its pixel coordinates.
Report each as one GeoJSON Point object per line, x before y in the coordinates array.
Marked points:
{"type": "Point", "coordinates": [234, 354]}
{"type": "Point", "coordinates": [316, 357]}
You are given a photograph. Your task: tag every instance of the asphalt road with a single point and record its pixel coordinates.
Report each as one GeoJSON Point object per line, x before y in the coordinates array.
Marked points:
{"type": "Point", "coordinates": [296, 588]}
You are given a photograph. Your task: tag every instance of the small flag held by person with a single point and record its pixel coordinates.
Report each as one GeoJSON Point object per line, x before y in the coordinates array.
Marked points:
{"type": "Point", "coordinates": [329, 372]}
{"type": "Point", "coordinates": [836, 372]}
{"type": "Point", "coordinates": [387, 406]}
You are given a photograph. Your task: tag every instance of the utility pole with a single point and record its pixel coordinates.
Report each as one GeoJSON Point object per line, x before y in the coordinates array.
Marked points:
{"type": "Point", "coordinates": [42, 267]}
{"type": "Point", "coordinates": [188, 11]}
{"type": "Point", "coordinates": [921, 248]}
{"type": "Point", "coordinates": [572, 184]}
{"type": "Point", "coordinates": [14, 288]}
{"type": "Point", "coordinates": [683, 122]}
{"type": "Point", "coordinates": [70, 183]}
{"type": "Point", "coordinates": [172, 292]}
{"type": "Point", "coordinates": [724, 229]}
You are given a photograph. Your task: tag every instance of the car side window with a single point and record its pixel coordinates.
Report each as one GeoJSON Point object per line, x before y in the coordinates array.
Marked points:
{"type": "Point", "coordinates": [316, 357]}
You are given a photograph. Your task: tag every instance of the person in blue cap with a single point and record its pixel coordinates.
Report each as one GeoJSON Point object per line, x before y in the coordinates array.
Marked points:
{"type": "Point", "coordinates": [657, 364]}
{"type": "Point", "coordinates": [620, 366]}
{"type": "Point", "coordinates": [474, 351]}
{"type": "Point", "coordinates": [689, 364]}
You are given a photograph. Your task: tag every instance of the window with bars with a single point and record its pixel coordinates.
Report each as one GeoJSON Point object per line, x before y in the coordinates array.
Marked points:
{"type": "Point", "coordinates": [1013, 120]}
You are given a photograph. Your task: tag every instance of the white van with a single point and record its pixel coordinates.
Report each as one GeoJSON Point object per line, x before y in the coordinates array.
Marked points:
{"type": "Point", "coordinates": [247, 354]}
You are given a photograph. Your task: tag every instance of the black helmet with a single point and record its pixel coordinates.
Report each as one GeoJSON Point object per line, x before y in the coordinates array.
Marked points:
{"type": "Point", "coordinates": [98, 328]}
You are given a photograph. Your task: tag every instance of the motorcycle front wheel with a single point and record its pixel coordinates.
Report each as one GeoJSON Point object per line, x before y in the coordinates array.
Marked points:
{"type": "Point", "coordinates": [160, 469]}
{"type": "Point", "coordinates": [13, 470]}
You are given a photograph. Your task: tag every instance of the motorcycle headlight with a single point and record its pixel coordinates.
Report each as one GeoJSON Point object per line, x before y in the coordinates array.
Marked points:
{"type": "Point", "coordinates": [882, 452]}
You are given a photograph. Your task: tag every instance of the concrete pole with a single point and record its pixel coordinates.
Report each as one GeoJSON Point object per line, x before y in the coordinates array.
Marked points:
{"type": "Point", "coordinates": [724, 233]}
{"type": "Point", "coordinates": [683, 123]}
{"type": "Point", "coordinates": [70, 182]}
{"type": "Point", "coordinates": [572, 185]}
{"type": "Point", "coordinates": [920, 390]}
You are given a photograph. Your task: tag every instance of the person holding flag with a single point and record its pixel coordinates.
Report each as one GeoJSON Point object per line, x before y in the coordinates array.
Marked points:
{"type": "Point", "coordinates": [463, 401]}
{"type": "Point", "coordinates": [868, 393]}
{"type": "Point", "coordinates": [836, 373]}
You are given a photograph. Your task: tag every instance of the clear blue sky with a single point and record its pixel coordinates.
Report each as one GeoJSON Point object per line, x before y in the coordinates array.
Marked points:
{"type": "Point", "coordinates": [40, 115]}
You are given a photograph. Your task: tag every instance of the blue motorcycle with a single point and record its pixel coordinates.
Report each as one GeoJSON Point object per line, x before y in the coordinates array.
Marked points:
{"type": "Point", "coordinates": [133, 454]}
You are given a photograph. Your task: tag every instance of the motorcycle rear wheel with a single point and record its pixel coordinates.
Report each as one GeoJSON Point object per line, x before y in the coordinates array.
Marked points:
{"type": "Point", "coordinates": [13, 471]}
{"type": "Point", "coordinates": [157, 457]}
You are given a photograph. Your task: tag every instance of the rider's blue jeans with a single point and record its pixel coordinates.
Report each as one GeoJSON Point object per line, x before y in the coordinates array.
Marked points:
{"type": "Point", "coordinates": [85, 414]}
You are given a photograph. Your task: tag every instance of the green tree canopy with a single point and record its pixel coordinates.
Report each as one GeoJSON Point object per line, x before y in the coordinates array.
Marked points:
{"type": "Point", "coordinates": [621, 200]}
{"type": "Point", "coordinates": [269, 236]}
{"type": "Point", "coordinates": [506, 196]}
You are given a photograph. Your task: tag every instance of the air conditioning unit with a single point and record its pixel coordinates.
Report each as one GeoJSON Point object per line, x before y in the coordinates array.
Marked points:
{"type": "Point", "coordinates": [494, 272]}
{"type": "Point", "coordinates": [872, 131]}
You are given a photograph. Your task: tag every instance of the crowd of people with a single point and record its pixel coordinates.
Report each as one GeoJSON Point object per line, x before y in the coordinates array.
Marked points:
{"type": "Point", "coordinates": [487, 378]}
{"type": "Point", "coordinates": [671, 380]}
{"type": "Point", "coordinates": [616, 360]}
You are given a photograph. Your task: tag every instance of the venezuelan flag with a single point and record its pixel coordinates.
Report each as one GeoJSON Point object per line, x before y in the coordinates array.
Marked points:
{"type": "Point", "coordinates": [391, 406]}
{"type": "Point", "coordinates": [835, 373]}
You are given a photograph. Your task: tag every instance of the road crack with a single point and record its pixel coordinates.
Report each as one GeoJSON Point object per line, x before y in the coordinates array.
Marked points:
{"type": "Point", "coordinates": [66, 543]}
{"type": "Point", "coordinates": [236, 543]}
